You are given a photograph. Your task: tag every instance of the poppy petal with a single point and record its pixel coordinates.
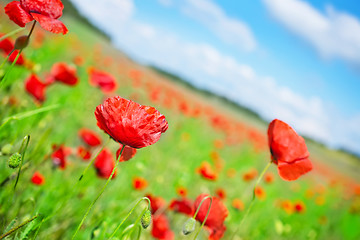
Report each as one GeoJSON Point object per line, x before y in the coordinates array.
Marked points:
{"type": "Point", "coordinates": [50, 24]}
{"type": "Point", "coordinates": [292, 171]}
{"type": "Point", "coordinates": [17, 14]}
{"type": "Point", "coordinates": [50, 8]}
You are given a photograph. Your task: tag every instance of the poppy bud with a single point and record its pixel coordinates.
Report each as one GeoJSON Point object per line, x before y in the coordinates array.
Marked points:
{"type": "Point", "coordinates": [6, 149]}
{"type": "Point", "coordinates": [189, 226]}
{"type": "Point", "coordinates": [21, 42]}
{"type": "Point", "coordinates": [146, 219]}
{"type": "Point", "coordinates": [14, 160]}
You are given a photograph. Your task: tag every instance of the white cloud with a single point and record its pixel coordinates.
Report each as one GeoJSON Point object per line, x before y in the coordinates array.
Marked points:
{"type": "Point", "coordinates": [230, 30]}
{"type": "Point", "coordinates": [109, 14]}
{"type": "Point", "coordinates": [333, 34]}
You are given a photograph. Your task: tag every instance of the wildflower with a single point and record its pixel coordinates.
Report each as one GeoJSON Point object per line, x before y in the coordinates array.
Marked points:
{"type": "Point", "coordinates": [206, 171]}
{"type": "Point", "coordinates": [161, 228]}
{"type": "Point", "coordinates": [103, 80]}
{"type": "Point", "coordinates": [59, 156]}
{"type": "Point", "coordinates": [139, 183]}
{"type": "Point", "coordinates": [130, 123]}
{"type": "Point", "coordinates": [104, 164]}
{"type": "Point", "coordinates": [216, 218]}
{"type": "Point", "coordinates": [299, 207]}
{"type": "Point", "coordinates": [181, 191]}
{"type": "Point", "coordinates": [45, 12]}
{"type": "Point", "coordinates": [250, 175]}
{"type": "Point", "coordinates": [156, 203]}
{"type": "Point", "coordinates": [183, 205]}
{"type": "Point", "coordinates": [269, 177]}
{"type": "Point", "coordinates": [89, 137]}
{"type": "Point", "coordinates": [288, 151]}
{"type": "Point", "coordinates": [35, 87]}
{"type": "Point", "coordinates": [127, 154]}
{"type": "Point", "coordinates": [237, 204]}
{"type": "Point", "coordinates": [260, 192]}
{"type": "Point", "coordinates": [220, 192]}
{"type": "Point", "coordinates": [7, 46]}
{"type": "Point", "coordinates": [64, 73]}
{"type": "Point", "coordinates": [38, 179]}
{"type": "Point", "coordinates": [83, 153]}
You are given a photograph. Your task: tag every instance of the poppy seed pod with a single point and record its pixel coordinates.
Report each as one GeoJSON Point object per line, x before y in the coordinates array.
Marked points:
{"type": "Point", "coordinates": [14, 160]}
{"type": "Point", "coordinates": [189, 226]}
{"type": "Point", "coordinates": [21, 42]}
{"type": "Point", "coordinates": [146, 219]}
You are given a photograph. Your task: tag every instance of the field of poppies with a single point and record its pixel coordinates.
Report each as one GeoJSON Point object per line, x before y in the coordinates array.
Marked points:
{"type": "Point", "coordinates": [96, 146]}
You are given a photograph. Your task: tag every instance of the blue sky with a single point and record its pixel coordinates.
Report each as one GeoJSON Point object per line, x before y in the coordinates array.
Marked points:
{"type": "Point", "coordinates": [296, 60]}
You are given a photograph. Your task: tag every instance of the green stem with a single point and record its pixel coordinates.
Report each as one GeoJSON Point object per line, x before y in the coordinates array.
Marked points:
{"type": "Point", "coordinates": [16, 228]}
{"type": "Point", "coordinates": [252, 199]}
{"type": "Point", "coordinates": [207, 214]}
{"type": "Point", "coordinates": [5, 60]}
{"type": "Point", "coordinates": [101, 192]}
{"type": "Point", "coordinates": [122, 222]}
{"type": "Point", "coordinates": [11, 33]}
{"type": "Point", "coordinates": [27, 114]}
{"type": "Point", "coordinates": [92, 160]}
{"type": "Point", "coordinates": [22, 151]}
{"type": "Point", "coordinates": [137, 224]}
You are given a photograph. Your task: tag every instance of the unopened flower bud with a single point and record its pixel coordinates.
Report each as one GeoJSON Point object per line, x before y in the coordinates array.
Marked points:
{"type": "Point", "coordinates": [146, 219]}
{"type": "Point", "coordinates": [14, 160]}
{"type": "Point", "coordinates": [189, 226]}
{"type": "Point", "coordinates": [21, 42]}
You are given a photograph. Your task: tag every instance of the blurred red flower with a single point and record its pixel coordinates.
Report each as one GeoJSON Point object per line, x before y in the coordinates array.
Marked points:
{"type": "Point", "coordinates": [206, 171]}
{"type": "Point", "coordinates": [103, 80]}
{"type": "Point", "coordinates": [59, 156]}
{"type": "Point", "coordinates": [250, 175]}
{"type": "Point", "coordinates": [35, 87]}
{"type": "Point", "coordinates": [288, 151]}
{"type": "Point", "coordinates": [83, 153]}
{"type": "Point", "coordinates": [269, 177]}
{"type": "Point", "coordinates": [183, 205]}
{"type": "Point", "coordinates": [64, 73]}
{"type": "Point", "coordinates": [38, 179]}
{"type": "Point", "coordinates": [161, 228]}
{"type": "Point", "coordinates": [220, 192]}
{"type": "Point", "coordinates": [130, 123]}
{"type": "Point", "coordinates": [7, 46]}
{"type": "Point", "coordinates": [299, 207]}
{"type": "Point", "coordinates": [104, 164]}
{"type": "Point", "coordinates": [89, 137]}
{"type": "Point", "coordinates": [127, 154]}
{"type": "Point", "coordinates": [156, 203]}
{"type": "Point", "coordinates": [46, 12]}
{"type": "Point", "coordinates": [260, 192]}
{"type": "Point", "coordinates": [216, 218]}
{"type": "Point", "coordinates": [139, 183]}
{"type": "Point", "coordinates": [181, 191]}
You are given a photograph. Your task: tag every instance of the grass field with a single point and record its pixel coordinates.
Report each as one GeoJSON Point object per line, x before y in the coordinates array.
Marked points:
{"type": "Point", "coordinates": [201, 129]}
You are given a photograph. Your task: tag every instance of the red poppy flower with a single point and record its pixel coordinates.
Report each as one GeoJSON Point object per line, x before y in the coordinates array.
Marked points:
{"type": "Point", "coordinates": [161, 228]}
{"type": "Point", "coordinates": [181, 191]}
{"type": "Point", "coordinates": [288, 151]}
{"type": "Point", "coordinates": [89, 137]}
{"type": "Point", "coordinates": [35, 87]}
{"type": "Point", "coordinates": [299, 207]}
{"type": "Point", "coordinates": [7, 46]}
{"type": "Point", "coordinates": [46, 12]}
{"type": "Point", "coordinates": [64, 73]}
{"type": "Point", "coordinates": [59, 156]}
{"type": "Point", "coordinates": [83, 153]}
{"type": "Point", "coordinates": [206, 171]}
{"type": "Point", "coordinates": [38, 179]}
{"type": "Point", "coordinates": [104, 164]}
{"type": "Point", "coordinates": [103, 80]}
{"type": "Point", "coordinates": [216, 218]}
{"type": "Point", "coordinates": [287, 206]}
{"type": "Point", "coordinates": [127, 154]}
{"type": "Point", "coordinates": [156, 203]}
{"type": "Point", "coordinates": [183, 205]}
{"type": "Point", "coordinates": [139, 183]}
{"type": "Point", "coordinates": [130, 123]}
{"type": "Point", "coordinates": [237, 204]}
{"type": "Point", "coordinates": [220, 192]}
